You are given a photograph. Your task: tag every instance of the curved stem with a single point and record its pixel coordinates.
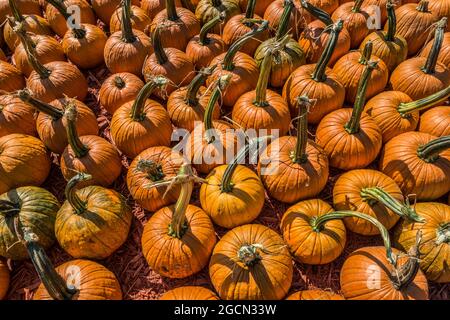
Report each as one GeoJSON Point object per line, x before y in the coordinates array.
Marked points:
{"type": "Point", "coordinates": [434, 99]}
{"type": "Point", "coordinates": [125, 23]}
{"type": "Point", "coordinates": [392, 22]}
{"type": "Point", "coordinates": [250, 10]}
{"type": "Point", "coordinates": [137, 110]}
{"type": "Point", "coordinates": [227, 63]}
{"type": "Point", "coordinates": [432, 59]}
{"type": "Point", "coordinates": [317, 12]}
{"type": "Point", "coordinates": [300, 155]}
{"type": "Point", "coordinates": [319, 71]}
{"type": "Point", "coordinates": [220, 86]}
{"type": "Point", "coordinates": [41, 106]}
{"type": "Point", "coordinates": [367, 53]}
{"type": "Point", "coordinates": [357, 6]}
{"type": "Point", "coordinates": [263, 80]}
{"type": "Point", "coordinates": [15, 11]}
{"type": "Point", "coordinates": [152, 169]}
{"type": "Point", "coordinates": [195, 85]}
{"type": "Point", "coordinates": [203, 37]}
{"type": "Point", "coordinates": [403, 276]}
{"type": "Point", "coordinates": [171, 10]}
{"type": "Point", "coordinates": [430, 151]}
{"type": "Point", "coordinates": [71, 195]}
{"type": "Point", "coordinates": [422, 6]}
{"type": "Point", "coordinates": [352, 126]}
{"type": "Point", "coordinates": [160, 54]}
{"type": "Point", "coordinates": [78, 148]}
{"type": "Point", "coordinates": [284, 20]}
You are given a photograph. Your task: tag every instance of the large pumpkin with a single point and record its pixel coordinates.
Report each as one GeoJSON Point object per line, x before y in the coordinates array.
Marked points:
{"type": "Point", "coordinates": [189, 293]}
{"type": "Point", "coordinates": [4, 279]}
{"type": "Point", "coordinates": [16, 116]}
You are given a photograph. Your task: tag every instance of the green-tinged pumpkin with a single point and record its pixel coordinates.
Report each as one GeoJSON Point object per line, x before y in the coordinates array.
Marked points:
{"type": "Point", "coordinates": [189, 293]}
{"type": "Point", "coordinates": [206, 10]}
{"type": "Point", "coordinates": [16, 116]}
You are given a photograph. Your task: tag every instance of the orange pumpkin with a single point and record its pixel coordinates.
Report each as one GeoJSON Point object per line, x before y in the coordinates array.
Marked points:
{"type": "Point", "coordinates": [440, 8]}
{"type": "Point", "coordinates": [419, 163]}
{"type": "Point", "coordinates": [255, 253]}
{"type": "Point", "coordinates": [4, 279]}
{"type": "Point", "coordinates": [444, 53]}
{"type": "Point", "coordinates": [24, 6]}
{"type": "Point", "coordinates": [177, 241]}
{"type": "Point", "coordinates": [104, 9]}
{"type": "Point", "coordinates": [260, 7]}
{"type": "Point", "coordinates": [350, 137]}
{"type": "Point", "coordinates": [436, 121]}
{"type": "Point", "coordinates": [16, 116]}
{"type": "Point", "coordinates": [139, 19]}
{"type": "Point", "coordinates": [206, 10]}
{"type": "Point", "coordinates": [355, 21]}
{"type": "Point", "coordinates": [189, 293]}
{"type": "Point", "coordinates": [57, 20]}
{"type": "Point", "coordinates": [373, 6]}
{"type": "Point", "coordinates": [293, 168]}
{"type": "Point", "coordinates": [142, 123]}
{"type": "Point", "coordinates": [314, 295]}
{"type": "Point", "coordinates": [153, 7]}
{"type": "Point", "coordinates": [10, 77]}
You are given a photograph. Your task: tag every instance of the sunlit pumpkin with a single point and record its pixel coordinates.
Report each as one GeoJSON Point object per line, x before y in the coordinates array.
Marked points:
{"type": "Point", "coordinates": [355, 21]}
{"type": "Point", "coordinates": [189, 293]}
{"type": "Point", "coordinates": [16, 116]}
{"type": "Point", "coordinates": [314, 295]}
{"type": "Point", "coordinates": [436, 121]}
{"type": "Point", "coordinates": [139, 19]}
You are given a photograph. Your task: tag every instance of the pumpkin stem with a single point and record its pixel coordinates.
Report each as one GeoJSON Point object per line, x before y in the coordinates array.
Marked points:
{"type": "Point", "coordinates": [119, 82]}
{"type": "Point", "coordinates": [41, 106]}
{"type": "Point", "coordinates": [249, 254]}
{"type": "Point", "coordinates": [406, 108]}
{"type": "Point", "coordinates": [9, 208]}
{"type": "Point", "coordinates": [137, 110]}
{"type": "Point", "coordinates": [195, 85]}
{"type": "Point", "coordinates": [357, 6]}
{"type": "Point", "coordinates": [432, 59]}
{"type": "Point", "coordinates": [404, 275]}
{"type": "Point", "coordinates": [216, 3]}
{"type": "Point", "coordinates": [203, 37]}
{"type": "Point", "coordinates": [319, 71]}
{"type": "Point", "coordinates": [374, 195]}
{"type": "Point", "coordinates": [217, 92]}
{"type": "Point", "coordinates": [284, 20]}
{"type": "Point", "coordinates": [263, 80]}
{"type": "Point", "coordinates": [317, 12]}
{"type": "Point", "coordinates": [152, 169]}
{"type": "Point", "coordinates": [227, 63]}
{"type": "Point", "coordinates": [430, 151]}
{"type": "Point", "coordinates": [15, 11]}
{"type": "Point", "coordinates": [125, 23]}
{"type": "Point", "coordinates": [443, 234]}
{"type": "Point", "coordinates": [250, 9]}
{"type": "Point", "coordinates": [78, 148]}
{"type": "Point", "coordinates": [392, 22]}
{"type": "Point", "coordinates": [71, 195]}
{"type": "Point", "coordinates": [367, 53]}
{"type": "Point", "coordinates": [352, 126]}
{"type": "Point", "coordinates": [423, 6]}
{"type": "Point", "coordinates": [300, 155]}
{"type": "Point", "coordinates": [171, 10]}
{"type": "Point", "coordinates": [160, 54]}
{"type": "Point", "coordinates": [317, 224]}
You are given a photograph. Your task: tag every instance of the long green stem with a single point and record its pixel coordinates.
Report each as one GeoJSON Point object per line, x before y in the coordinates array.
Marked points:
{"type": "Point", "coordinates": [160, 54]}
{"type": "Point", "coordinates": [317, 12]}
{"type": "Point", "coordinates": [432, 59]}
{"type": "Point", "coordinates": [71, 195]}
{"type": "Point", "coordinates": [195, 85]}
{"type": "Point", "coordinates": [352, 126]}
{"type": "Point", "coordinates": [78, 148]}
{"type": "Point", "coordinates": [137, 110]}
{"type": "Point", "coordinates": [171, 10]}
{"type": "Point", "coordinates": [430, 151]}
{"type": "Point", "coordinates": [392, 22]}
{"type": "Point", "coordinates": [434, 99]}
{"type": "Point", "coordinates": [217, 92]}
{"type": "Point", "coordinates": [126, 26]}
{"type": "Point", "coordinates": [250, 10]}
{"type": "Point", "coordinates": [284, 20]}
{"type": "Point", "coordinates": [263, 80]}
{"type": "Point", "coordinates": [357, 6]}
{"type": "Point", "coordinates": [367, 53]}
{"type": "Point", "coordinates": [203, 37]}
{"type": "Point", "coordinates": [41, 106]}
{"type": "Point", "coordinates": [300, 155]}
{"type": "Point", "coordinates": [15, 11]}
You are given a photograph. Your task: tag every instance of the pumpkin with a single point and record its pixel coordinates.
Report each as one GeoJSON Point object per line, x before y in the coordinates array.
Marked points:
{"type": "Point", "coordinates": [317, 82]}
{"type": "Point", "coordinates": [436, 121]}
{"type": "Point", "coordinates": [125, 50]}
{"type": "Point", "coordinates": [142, 123]}
{"type": "Point", "coordinates": [57, 21]}
{"type": "Point", "coordinates": [419, 163]}
{"type": "Point", "coordinates": [16, 116]}
{"type": "Point", "coordinates": [51, 122]}
{"type": "Point", "coordinates": [313, 40]}
{"type": "Point", "coordinates": [262, 108]}
{"type": "Point", "coordinates": [93, 222]}
{"type": "Point", "coordinates": [119, 89]}
{"type": "Point", "coordinates": [202, 48]}
{"type": "Point", "coordinates": [153, 7]}
{"type": "Point", "coordinates": [395, 113]}
{"type": "Point", "coordinates": [10, 77]}
{"type": "Point", "coordinates": [444, 53]}
{"type": "Point", "coordinates": [177, 241]}
{"type": "Point", "coordinates": [387, 45]}
{"type": "Point", "coordinates": [314, 295]}
{"type": "Point", "coordinates": [440, 8]}
{"type": "Point", "coordinates": [187, 105]}
{"type": "Point", "coordinates": [233, 195]}
{"type": "Point", "coordinates": [23, 161]}
{"type": "Point", "coordinates": [176, 25]}
{"type": "Point", "coordinates": [189, 293]}
{"type": "Point", "coordinates": [209, 9]}
{"type": "Point", "coordinates": [260, 7]}
{"type": "Point", "coordinates": [88, 154]}
{"type": "Point", "coordinates": [24, 6]}
{"type": "Point", "coordinates": [288, 55]}
{"type": "Point", "coordinates": [104, 9]}
{"type": "Point", "coordinates": [355, 21]}
{"type": "Point", "coordinates": [153, 165]}
{"type": "Point", "coordinates": [139, 19]}
{"type": "Point", "coordinates": [171, 63]}
{"type": "Point", "coordinates": [420, 77]}
{"type": "Point", "coordinates": [293, 168]}
{"type": "Point", "coordinates": [329, 6]}
{"type": "Point", "coordinates": [241, 24]}
{"type": "Point", "coordinates": [33, 208]}
{"type": "Point", "coordinates": [349, 136]}
{"type": "Point", "coordinates": [255, 253]}
{"type": "Point", "coordinates": [4, 278]}
{"type": "Point", "coordinates": [373, 193]}
{"type": "Point", "coordinates": [436, 235]}
{"type": "Point", "coordinates": [379, 7]}
{"type": "Point", "coordinates": [413, 24]}
{"type": "Point", "coordinates": [240, 66]}
{"type": "Point", "coordinates": [350, 67]}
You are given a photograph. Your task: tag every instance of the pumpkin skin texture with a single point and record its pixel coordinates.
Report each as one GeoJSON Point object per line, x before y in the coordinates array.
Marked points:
{"type": "Point", "coordinates": [305, 244]}
{"type": "Point", "coordinates": [4, 279]}
{"type": "Point", "coordinates": [168, 163]}
{"type": "Point", "coordinates": [178, 258]}
{"type": "Point", "coordinates": [362, 264]}
{"type": "Point", "coordinates": [189, 293]}
{"type": "Point", "coordinates": [436, 121]}
{"type": "Point", "coordinates": [201, 55]}
{"type": "Point", "coordinates": [119, 89]}
{"type": "Point", "coordinates": [24, 161]}
{"type": "Point", "coordinates": [226, 269]}
{"type": "Point", "coordinates": [239, 206]}
{"type": "Point", "coordinates": [347, 196]}
{"type": "Point", "coordinates": [440, 8]}
{"type": "Point", "coordinates": [104, 9]}
{"type": "Point", "coordinates": [444, 53]}
{"type": "Point", "coordinates": [16, 116]}
{"type": "Point", "coordinates": [139, 20]}
{"type": "Point", "coordinates": [10, 77]}
{"type": "Point", "coordinates": [95, 281]}
{"type": "Point", "coordinates": [32, 23]}
{"type": "Point", "coordinates": [314, 295]}
{"type": "Point", "coordinates": [355, 22]}
{"type": "Point", "coordinates": [206, 10]}
{"type": "Point", "coordinates": [434, 261]}
{"type": "Point", "coordinates": [400, 161]}
{"type": "Point", "coordinates": [36, 210]}
{"type": "Point", "coordinates": [153, 7]}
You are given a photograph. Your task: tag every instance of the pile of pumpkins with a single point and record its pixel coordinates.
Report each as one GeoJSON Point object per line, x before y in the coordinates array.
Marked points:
{"type": "Point", "coordinates": [376, 100]}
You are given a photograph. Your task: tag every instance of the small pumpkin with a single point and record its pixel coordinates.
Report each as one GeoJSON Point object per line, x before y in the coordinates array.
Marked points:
{"type": "Point", "coordinates": [314, 295]}
{"type": "Point", "coordinates": [255, 253]}
{"type": "Point", "coordinates": [119, 89]}
{"type": "Point", "coordinates": [141, 123]}
{"type": "Point", "coordinates": [350, 137]}
{"type": "Point", "coordinates": [4, 279]}
{"type": "Point", "coordinates": [177, 241]}
{"type": "Point", "coordinates": [206, 10]}
{"type": "Point", "coordinates": [293, 168]}
{"type": "Point", "coordinates": [436, 121]}
{"type": "Point", "coordinates": [153, 7]}
{"type": "Point", "coordinates": [189, 293]}
{"type": "Point", "coordinates": [153, 165]}
{"type": "Point", "coordinates": [444, 53]}
{"type": "Point", "coordinates": [88, 154]}
{"type": "Point", "coordinates": [104, 9]}
{"type": "Point", "coordinates": [10, 77]}
{"type": "Point", "coordinates": [419, 163]}
{"type": "Point", "coordinates": [51, 122]}
{"type": "Point", "coordinates": [23, 161]}
{"type": "Point", "coordinates": [16, 116]}
{"type": "Point", "coordinates": [139, 19]}
{"type": "Point", "coordinates": [355, 21]}
{"type": "Point", "coordinates": [33, 208]}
